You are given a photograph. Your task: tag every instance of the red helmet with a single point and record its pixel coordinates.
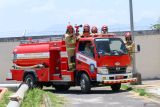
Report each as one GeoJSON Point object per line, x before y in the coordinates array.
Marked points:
{"type": "Point", "coordinates": [86, 28]}
{"type": "Point", "coordinates": [127, 35]}
{"type": "Point", "coordinates": [94, 29]}
{"type": "Point", "coordinates": [69, 27]}
{"type": "Point", "coordinates": [104, 27]}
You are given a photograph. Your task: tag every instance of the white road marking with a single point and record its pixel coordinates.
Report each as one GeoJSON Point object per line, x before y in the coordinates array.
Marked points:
{"type": "Point", "coordinates": [96, 100]}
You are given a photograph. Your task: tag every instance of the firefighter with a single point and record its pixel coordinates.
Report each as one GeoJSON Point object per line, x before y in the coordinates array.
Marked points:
{"type": "Point", "coordinates": [104, 29]}
{"type": "Point", "coordinates": [86, 30]}
{"type": "Point", "coordinates": [94, 30]}
{"type": "Point", "coordinates": [130, 45]}
{"type": "Point", "coordinates": [70, 40]}
{"type": "Point", "coordinates": [131, 49]}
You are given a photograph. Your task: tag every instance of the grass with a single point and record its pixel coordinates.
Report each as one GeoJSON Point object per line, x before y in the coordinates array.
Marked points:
{"type": "Point", "coordinates": [5, 99]}
{"type": "Point", "coordinates": [126, 87]}
{"type": "Point", "coordinates": [34, 98]}
{"type": "Point", "coordinates": [140, 91]}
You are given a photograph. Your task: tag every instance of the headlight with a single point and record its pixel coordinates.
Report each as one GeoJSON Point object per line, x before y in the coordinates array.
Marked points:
{"type": "Point", "coordinates": [102, 70]}
{"type": "Point", "coordinates": [129, 69]}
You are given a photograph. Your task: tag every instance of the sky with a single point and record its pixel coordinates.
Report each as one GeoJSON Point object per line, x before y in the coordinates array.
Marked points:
{"type": "Point", "coordinates": [38, 17]}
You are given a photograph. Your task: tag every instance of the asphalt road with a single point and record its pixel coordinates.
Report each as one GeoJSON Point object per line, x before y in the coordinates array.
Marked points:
{"type": "Point", "coordinates": [104, 97]}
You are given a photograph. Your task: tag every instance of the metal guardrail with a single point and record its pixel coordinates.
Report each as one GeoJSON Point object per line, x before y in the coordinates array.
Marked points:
{"type": "Point", "coordinates": [140, 32]}
{"type": "Point", "coordinates": [18, 39]}
{"type": "Point", "coordinates": [121, 33]}
{"type": "Point", "coordinates": [40, 40]}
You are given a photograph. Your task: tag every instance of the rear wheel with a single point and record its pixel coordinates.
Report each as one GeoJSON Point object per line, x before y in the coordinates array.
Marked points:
{"type": "Point", "coordinates": [30, 81]}
{"type": "Point", "coordinates": [116, 87]}
{"type": "Point", "coordinates": [85, 84]}
{"type": "Point", "coordinates": [61, 87]}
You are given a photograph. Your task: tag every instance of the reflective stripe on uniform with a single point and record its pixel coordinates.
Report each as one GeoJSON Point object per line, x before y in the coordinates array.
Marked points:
{"type": "Point", "coordinates": [70, 48]}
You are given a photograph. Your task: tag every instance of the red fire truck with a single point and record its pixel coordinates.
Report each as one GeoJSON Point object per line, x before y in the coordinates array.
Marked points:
{"type": "Point", "coordinates": [45, 63]}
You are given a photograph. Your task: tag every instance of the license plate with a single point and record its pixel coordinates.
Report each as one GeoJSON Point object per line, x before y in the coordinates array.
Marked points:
{"type": "Point", "coordinates": [119, 77]}
{"type": "Point", "coordinates": [104, 78]}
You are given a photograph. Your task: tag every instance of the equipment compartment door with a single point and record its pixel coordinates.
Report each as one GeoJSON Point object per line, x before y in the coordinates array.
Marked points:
{"type": "Point", "coordinates": [55, 62]}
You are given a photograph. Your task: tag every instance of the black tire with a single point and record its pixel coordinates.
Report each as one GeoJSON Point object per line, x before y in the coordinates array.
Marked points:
{"type": "Point", "coordinates": [61, 87]}
{"type": "Point", "coordinates": [30, 80]}
{"type": "Point", "coordinates": [85, 84]}
{"type": "Point", "coordinates": [116, 87]}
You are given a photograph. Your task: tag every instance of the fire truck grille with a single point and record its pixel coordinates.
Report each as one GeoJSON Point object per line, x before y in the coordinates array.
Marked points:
{"type": "Point", "coordinates": [117, 70]}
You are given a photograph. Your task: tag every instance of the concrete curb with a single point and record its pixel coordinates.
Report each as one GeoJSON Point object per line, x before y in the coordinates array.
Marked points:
{"type": "Point", "coordinates": [149, 95]}
{"type": "Point", "coordinates": [10, 85]}
{"type": "Point", "coordinates": [47, 101]}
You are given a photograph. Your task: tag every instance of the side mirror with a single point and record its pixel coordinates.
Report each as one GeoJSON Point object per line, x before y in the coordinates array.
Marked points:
{"type": "Point", "coordinates": [138, 48]}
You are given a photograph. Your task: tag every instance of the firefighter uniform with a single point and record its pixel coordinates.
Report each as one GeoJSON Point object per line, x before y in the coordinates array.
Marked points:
{"type": "Point", "coordinates": [70, 40]}
{"type": "Point", "coordinates": [130, 47]}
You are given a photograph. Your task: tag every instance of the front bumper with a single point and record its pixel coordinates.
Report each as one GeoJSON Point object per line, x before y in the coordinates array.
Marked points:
{"type": "Point", "coordinates": [111, 79]}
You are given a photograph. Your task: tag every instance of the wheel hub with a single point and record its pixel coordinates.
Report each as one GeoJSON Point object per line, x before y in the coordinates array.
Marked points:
{"type": "Point", "coordinates": [29, 82]}
{"type": "Point", "coordinates": [83, 84]}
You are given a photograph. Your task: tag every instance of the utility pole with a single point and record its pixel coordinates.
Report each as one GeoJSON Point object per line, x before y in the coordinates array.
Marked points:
{"type": "Point", "coordinates": [135, 73]}
{"type": "Point", "coordinates": [131, 19]}
{"type": "Point", "coordinates": [132, 32]}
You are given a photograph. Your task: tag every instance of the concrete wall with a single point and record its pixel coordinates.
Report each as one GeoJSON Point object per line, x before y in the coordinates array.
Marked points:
{"type": "Point", "coordinates": [147, 61]}
{"type": "Point", "coordinates": [6, 49]}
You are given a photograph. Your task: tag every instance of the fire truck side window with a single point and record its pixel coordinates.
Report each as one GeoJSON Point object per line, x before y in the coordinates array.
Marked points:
{"type": "Point", "coordinates": [85, 47]}
{"type": "Point", "coordinates": [14, 56]}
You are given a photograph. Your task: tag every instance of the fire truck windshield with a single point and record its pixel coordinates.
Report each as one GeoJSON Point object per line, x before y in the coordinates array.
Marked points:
{"type": "Point", "coordinates": [110, 46]}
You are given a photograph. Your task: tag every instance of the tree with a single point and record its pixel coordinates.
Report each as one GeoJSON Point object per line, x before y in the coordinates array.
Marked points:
{"type": "Point", "coordinates": [157, 25]}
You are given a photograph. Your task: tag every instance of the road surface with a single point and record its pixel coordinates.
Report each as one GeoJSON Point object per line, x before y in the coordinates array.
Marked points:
{"type": "Point", "coordinates": [104, 97]}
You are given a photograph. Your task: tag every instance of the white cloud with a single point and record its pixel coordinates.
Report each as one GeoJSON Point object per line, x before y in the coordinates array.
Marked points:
{"type": "Point", "coordinates": [147, 15]}
{"type": "Point", "coordinates": [8, 3]}
{"type": "Point", "coordinates": [17, 15]}
{"type": "Point", "coordinates": [97, 17]}
{"type": "Point", "coordinates": [48, 5]}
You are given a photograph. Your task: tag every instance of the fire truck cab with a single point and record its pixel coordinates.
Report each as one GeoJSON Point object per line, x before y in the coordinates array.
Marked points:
{"type": "Point", "coordinates": [99, 60]}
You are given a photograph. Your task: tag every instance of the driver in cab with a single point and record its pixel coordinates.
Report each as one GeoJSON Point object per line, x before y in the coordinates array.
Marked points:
{"type": "Point", "coordinates": [88, 49]}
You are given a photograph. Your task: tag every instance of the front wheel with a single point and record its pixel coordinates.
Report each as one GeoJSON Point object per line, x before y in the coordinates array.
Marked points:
{"type": "Point", "coordinates": [85, 84]}
{"type": "Point", "coordinates": [116, 87]}
{"type": "Point", "coordinates": [30, 81]}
